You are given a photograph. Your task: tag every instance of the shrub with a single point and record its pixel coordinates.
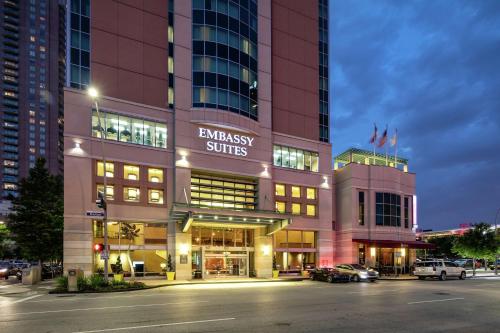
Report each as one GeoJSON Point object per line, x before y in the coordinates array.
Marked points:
{"type": "Point", "coordinates": [97, 281]}
{"type": "Point", "coordinates": [62, 282]}
{"type": "Point", "coordinates": [82, 283]}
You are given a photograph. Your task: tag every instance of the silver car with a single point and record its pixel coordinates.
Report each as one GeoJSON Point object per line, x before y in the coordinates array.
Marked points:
{"type": "Point", "coordinates": [358, 272]}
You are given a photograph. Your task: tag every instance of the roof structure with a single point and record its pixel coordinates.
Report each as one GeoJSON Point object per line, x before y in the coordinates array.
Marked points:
{"type": "Point", "coordinates": [356, 155]}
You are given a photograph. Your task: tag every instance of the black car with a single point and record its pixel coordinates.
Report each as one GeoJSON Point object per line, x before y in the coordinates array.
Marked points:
{"type": "Point", "coordinates": [329, 275]}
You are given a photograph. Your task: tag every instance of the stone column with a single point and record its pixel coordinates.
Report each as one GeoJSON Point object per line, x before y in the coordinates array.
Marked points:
{"type": "Point", "coordinates": [263, 254]}
{"type": "Point", "coordinates": [183, 253]}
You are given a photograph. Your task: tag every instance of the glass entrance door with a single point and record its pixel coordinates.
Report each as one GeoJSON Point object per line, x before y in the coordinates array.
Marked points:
{"type": "Point", "coordinates": [225, 264]}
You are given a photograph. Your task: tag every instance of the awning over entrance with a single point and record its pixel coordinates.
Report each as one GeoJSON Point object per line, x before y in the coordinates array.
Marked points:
{"type": "Point", "coordinates": [395, 244]}
{"type": "Point", "coordinates": [187, 216]}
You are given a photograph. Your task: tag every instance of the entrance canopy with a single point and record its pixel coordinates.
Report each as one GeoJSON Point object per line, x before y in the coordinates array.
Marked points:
{"type": "Point", "coordinates": [187, 216]}
{"type": "Point", "coordinates": [395, 244]}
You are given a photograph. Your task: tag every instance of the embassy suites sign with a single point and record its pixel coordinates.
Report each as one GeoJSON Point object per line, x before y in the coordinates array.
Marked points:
{"type": "Point", "coordinates": [224, 142]}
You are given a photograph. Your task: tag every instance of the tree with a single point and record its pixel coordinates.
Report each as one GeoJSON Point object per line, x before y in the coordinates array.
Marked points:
{"type": "Point", "coordinates": [479, 242]}
{"type": "Point", "coordinates": [443, 246]}
{"type": "Point", "coordinates": [36, 222]}
{"type": "Point", "coordinates": [130, 232]}
{"type": "Point", "coordinates": [8, 248]}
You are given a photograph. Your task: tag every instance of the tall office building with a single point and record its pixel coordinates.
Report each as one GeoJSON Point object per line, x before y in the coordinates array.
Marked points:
{"type": "Point", "coordinates": [215, 119]}
{"type": "Point", "coordinates": [32, 53]}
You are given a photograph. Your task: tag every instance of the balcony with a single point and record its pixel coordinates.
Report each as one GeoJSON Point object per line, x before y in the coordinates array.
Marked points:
{"type": "Point", "coordinates": [365, 157]}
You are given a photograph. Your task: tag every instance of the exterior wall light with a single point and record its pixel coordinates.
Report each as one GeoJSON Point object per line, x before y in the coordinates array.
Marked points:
{"type": "Point", "coordinates": [372, 251]}
{"type": "Point", "coordinates": [183, 249]}
{"type": "Point", "coordinates": [266, 250]}
{"type": "Point", "coordinates": [325, 182]}
{"type": "Point", "coordinates": [403, 252]}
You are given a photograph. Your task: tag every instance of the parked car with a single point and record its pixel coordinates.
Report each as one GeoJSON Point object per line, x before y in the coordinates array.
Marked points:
{"type": "Point", "coordinates": [492, 265]}
{"type": "Point", "coordinates": [467, 263]}
{"type": "Point", "coordinates": [439, 269]}
{"type": "Point", "coordinates": [329, 275]}
{"type": "Point", "coordinates": [51, 271]}
{"type": "Point", "coordinates": [358, 272]}
{"type": "Point", "coordinates": [5, 268]}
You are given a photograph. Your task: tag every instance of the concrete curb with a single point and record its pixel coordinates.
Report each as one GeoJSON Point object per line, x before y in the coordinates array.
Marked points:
{"type": "Point", "coordinates": [228, 282]}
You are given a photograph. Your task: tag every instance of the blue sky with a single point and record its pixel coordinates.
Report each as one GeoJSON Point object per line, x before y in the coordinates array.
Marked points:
{"type": "Point", "coordinates": [431, 69]}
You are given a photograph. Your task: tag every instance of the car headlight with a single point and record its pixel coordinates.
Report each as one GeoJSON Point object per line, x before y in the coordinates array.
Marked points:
{"type": "Point", "coordinates": [363, 274]}
{"type": "Point", "coordinates": [3, 270]}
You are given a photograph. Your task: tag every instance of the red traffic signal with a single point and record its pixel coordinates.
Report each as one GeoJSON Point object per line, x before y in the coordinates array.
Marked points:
{"type": "Point", "coordinates": [98, 247]}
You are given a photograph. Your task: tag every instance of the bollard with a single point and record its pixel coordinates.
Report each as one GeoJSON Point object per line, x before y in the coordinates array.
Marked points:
{"type": "Point", "coordinates": [72, 280]}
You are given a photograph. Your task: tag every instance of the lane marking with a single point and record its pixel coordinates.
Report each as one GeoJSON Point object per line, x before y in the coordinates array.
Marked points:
{"type": "Point", "coordinates": [100, 308]}
{"type": "Point", "coordinates": [83, 298]}
{"type": "Point", "coordinates": [438, 300]}
{"type": "Point", "coordinates": [157, 325]}
{"type": "Point", "coordinates": [20, 300]}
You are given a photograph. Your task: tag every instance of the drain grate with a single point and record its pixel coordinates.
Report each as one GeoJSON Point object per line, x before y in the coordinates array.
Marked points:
{"type": "Point", "coordinates": [441, 293]}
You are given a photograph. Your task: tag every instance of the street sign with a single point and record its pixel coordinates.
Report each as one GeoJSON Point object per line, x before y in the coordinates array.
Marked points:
{"type": "Point", "coordinates": [92, 213]}
{"type": "Point", "coordinates": [104, 255]}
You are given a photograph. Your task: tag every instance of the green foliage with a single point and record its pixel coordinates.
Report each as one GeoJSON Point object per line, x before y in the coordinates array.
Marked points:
{"type": "Point", "coordinates": [8, 248]}
{"type": "Point", "coordinates": [82, 283]}
{"type": "Point", "coordinates": [62, 282]}
{"type": "Point", "coordinates": [36, 222]}
{"type": "Point", "coordinates": [444, 246]}
{"type": "Point", "coordinates": [479, 242]}
{"type": "Point", "coordinates": [170, 266]}
{"type": "Point", "coordinates": [117, 268]}
{"type": "Point", "coordinates": [97, 281]}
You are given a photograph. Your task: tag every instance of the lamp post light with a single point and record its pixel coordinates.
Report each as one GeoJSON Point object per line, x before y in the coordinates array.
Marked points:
{"type": "Point", "coordinates": [496, 236]}
{"type": "Point", "coordinates": [94, 94]}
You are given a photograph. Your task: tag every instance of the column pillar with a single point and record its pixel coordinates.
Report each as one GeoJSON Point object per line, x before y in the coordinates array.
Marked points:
{"type": "Point", "coordinates": [263, 254]}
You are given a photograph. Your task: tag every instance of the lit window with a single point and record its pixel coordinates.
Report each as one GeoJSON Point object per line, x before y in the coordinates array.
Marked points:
{"type": "Point", "coordinates": [155, 175]}
{"type": "Point", "coordinates": [280, 190]}
{"type": "Point", "coordinates": [311, 193]}
{"type": "Point", "coordinates": [311, 210]}
{"type": "Point", "coordinates": [110, 169]}
{"type": "Point", "coordinates": [280, 207]}
{"type": "Point", "coordinates": [131, 194]}
{"type": "Point", "coordinates": [295, 208]}
{"type": "Point", "coordinates": [295, 191]}
{"type": "Point", "coordinates": [110, 191]}
{"type": "Point", "coordinates": [155, 196]}
{"type": "Point", "coordinates": [131, 172]}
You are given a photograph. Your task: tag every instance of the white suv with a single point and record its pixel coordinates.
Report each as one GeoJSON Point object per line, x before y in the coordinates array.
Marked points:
{"type": "Point", "coordinates": [438, 268]}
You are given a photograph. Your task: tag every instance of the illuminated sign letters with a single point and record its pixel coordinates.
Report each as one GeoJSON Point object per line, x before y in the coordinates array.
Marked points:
{"type": "Point", "coordinates": [226, 143]}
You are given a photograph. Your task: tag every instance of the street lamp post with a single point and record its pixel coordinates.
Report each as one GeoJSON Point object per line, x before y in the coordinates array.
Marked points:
{"type": "Point", "coordinates": [496, 236]}
{"type": "Point", "coordinates": [94, 94]}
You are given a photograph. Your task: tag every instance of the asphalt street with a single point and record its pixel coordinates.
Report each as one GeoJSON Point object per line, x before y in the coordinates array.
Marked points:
{"type": "Point", "coordinates": [384, 306]}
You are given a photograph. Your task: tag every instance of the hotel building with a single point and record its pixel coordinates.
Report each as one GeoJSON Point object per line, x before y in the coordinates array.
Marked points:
{"type": "Point", "coordinates": [216, 142]}
{"type": "Point", "coordinates": [217, 151]}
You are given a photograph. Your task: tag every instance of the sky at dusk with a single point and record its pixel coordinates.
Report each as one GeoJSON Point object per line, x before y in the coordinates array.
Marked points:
{"type": "Point", "coordinates": [431, 69]}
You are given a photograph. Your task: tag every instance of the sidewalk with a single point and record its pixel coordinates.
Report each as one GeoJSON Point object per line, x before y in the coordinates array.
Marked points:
{"type": "Point", "coordinates": [481, 273]}
{"type": "Point", "coordinates": [162, 282]}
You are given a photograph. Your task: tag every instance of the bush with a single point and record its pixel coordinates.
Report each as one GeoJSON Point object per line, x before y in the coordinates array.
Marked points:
{"type": "Point", "coordinates": [97, 282]}
{"type": "Point", "coordinates": [82, 283]}
{"type": "Point", "coordinates": [62, 283]}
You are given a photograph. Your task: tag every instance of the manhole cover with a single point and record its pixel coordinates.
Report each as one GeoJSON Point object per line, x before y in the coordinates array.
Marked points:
{"type": "Point", "coordinates": [283, 324]}
{"type": "Point", "coordinates": [441, 293]}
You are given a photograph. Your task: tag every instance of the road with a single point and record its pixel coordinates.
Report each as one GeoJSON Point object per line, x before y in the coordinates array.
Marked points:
{"type": "Point", "coordinates": [384, 306]}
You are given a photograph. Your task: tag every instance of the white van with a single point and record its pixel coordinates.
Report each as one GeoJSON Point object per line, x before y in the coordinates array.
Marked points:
{"type": "Point", "coordinates": [438, 268]}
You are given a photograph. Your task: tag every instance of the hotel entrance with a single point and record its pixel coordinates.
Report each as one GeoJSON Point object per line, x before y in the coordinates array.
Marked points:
{"type": "Point", "coordinates": [219, 264]}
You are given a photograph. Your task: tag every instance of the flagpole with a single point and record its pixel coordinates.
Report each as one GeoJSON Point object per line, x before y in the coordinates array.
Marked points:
{"type": "Point", "coordinates": [396, 155]}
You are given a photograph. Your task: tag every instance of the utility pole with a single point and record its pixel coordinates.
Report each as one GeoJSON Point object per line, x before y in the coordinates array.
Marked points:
{"type": "Point", "coordinates": [102, 200]}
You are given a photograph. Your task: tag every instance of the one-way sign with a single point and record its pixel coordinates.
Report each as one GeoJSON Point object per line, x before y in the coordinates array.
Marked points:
{"type": "Point", "coordinates": [92, 213]}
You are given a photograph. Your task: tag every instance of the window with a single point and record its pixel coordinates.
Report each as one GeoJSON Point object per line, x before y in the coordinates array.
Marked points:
{"type": "Point", "coordinates": [311, 193]}
{"type": "Point", "coordinates": [295, 208]}
{"type": "Point", "coordinates": [361, 208]}
{"type": "Point", "coordinates": [131, 194]}
{"type": "Point", "coordinates": [294, 158]}
{"type": "Point", "coordinates": [110, 169]}
{"type": "Point", "coordinates": [407, 212]}
{"type": "Point", "coordinates": [155, 175]}
{"type": "Point", "coordinates": [131, 172]}
{"type": "Point", "coordinates": [280, 207]}
{"type": "Point", "coordinates": [280, 190]}
{"type": "Point", "coordinates": [155, 196]}
{"type": "Point", "coordinates": [311, 210]}
{"type": "Point", "coordinates": [130, 130]}
{"type": "Point", "coordinates": [110, 191]}
{"type": "Point", "coordinates": [217, 192]}
{"type": "Point", "coordinates": [295, 191]}
{"type": "Point", "coordinates": [388, 209]}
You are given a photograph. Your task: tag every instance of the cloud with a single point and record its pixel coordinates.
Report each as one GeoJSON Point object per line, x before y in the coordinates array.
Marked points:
{"type": "Point", "coordinates": [432, 70]}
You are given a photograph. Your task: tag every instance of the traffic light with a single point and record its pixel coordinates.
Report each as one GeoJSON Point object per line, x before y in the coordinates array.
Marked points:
{"type": "Point", "coordinates": [98, 247]}
{"type": "Point", "coordinates": [100, 202]}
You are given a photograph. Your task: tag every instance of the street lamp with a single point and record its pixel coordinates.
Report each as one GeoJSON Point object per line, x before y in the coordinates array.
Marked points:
{"type": "Point", "coordinates": [496, 254]}
{"type": "Point", "coordinates": [94, 94]}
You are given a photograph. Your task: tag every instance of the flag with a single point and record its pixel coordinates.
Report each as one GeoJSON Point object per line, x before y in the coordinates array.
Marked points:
{"type": "Point", "coordinates": [374, 135]}
{"type": "Point", "coordinates": [394, 139]}
{"type": "Point", "coordinates": [383, 139]}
